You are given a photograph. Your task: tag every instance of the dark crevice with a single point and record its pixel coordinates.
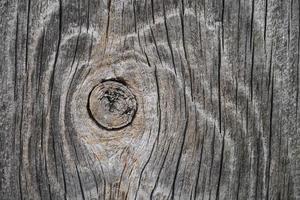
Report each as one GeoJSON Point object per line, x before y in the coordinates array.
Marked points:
{"type": "Point", "coordinates": [52, 77]}
{"type": "Point", "coordinates": [168, 37]}
{"type": "Point", "coordinates": [270, 138]}
{"type": "Point", "coordinates": [160, 171]}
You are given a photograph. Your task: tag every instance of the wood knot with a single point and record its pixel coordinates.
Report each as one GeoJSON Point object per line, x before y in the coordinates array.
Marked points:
{"type": "Point", "coordinates": [112, 105]}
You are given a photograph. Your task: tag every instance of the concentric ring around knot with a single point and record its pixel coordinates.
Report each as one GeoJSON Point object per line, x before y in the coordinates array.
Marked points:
{"type": "Point", "coordinates": [112, 105]}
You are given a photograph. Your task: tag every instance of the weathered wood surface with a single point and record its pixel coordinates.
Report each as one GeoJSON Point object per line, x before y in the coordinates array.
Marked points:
{"type": "Point", "coordinates": [217, 90]}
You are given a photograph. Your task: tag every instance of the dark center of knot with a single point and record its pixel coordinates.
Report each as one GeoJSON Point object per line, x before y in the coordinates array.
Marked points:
{"type": "Point", "coordinates": [112, 105]}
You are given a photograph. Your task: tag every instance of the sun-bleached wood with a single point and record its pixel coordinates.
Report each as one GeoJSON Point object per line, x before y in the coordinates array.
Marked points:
{"type": "Point", "coordinates": [216, 99]}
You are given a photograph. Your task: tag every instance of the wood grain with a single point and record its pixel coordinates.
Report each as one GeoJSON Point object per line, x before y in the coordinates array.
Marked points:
{"type": "Point", "coordinates": [216, 84]}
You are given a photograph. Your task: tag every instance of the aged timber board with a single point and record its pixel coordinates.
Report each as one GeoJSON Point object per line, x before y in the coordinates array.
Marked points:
{"type": "Point", "coordinates": [149, 99]}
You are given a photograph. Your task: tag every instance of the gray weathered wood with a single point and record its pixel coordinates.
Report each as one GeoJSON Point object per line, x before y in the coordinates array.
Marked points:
{"type": "Point", "coordinates": [217, 90]}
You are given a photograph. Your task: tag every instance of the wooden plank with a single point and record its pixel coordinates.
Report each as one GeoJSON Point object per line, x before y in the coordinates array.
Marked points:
{"type": "Point", "coordinates": [200, 99]}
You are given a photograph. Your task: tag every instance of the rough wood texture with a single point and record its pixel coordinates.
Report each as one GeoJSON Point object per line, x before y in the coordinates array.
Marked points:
{"type": "Point", "coordinates": [216, 84]}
